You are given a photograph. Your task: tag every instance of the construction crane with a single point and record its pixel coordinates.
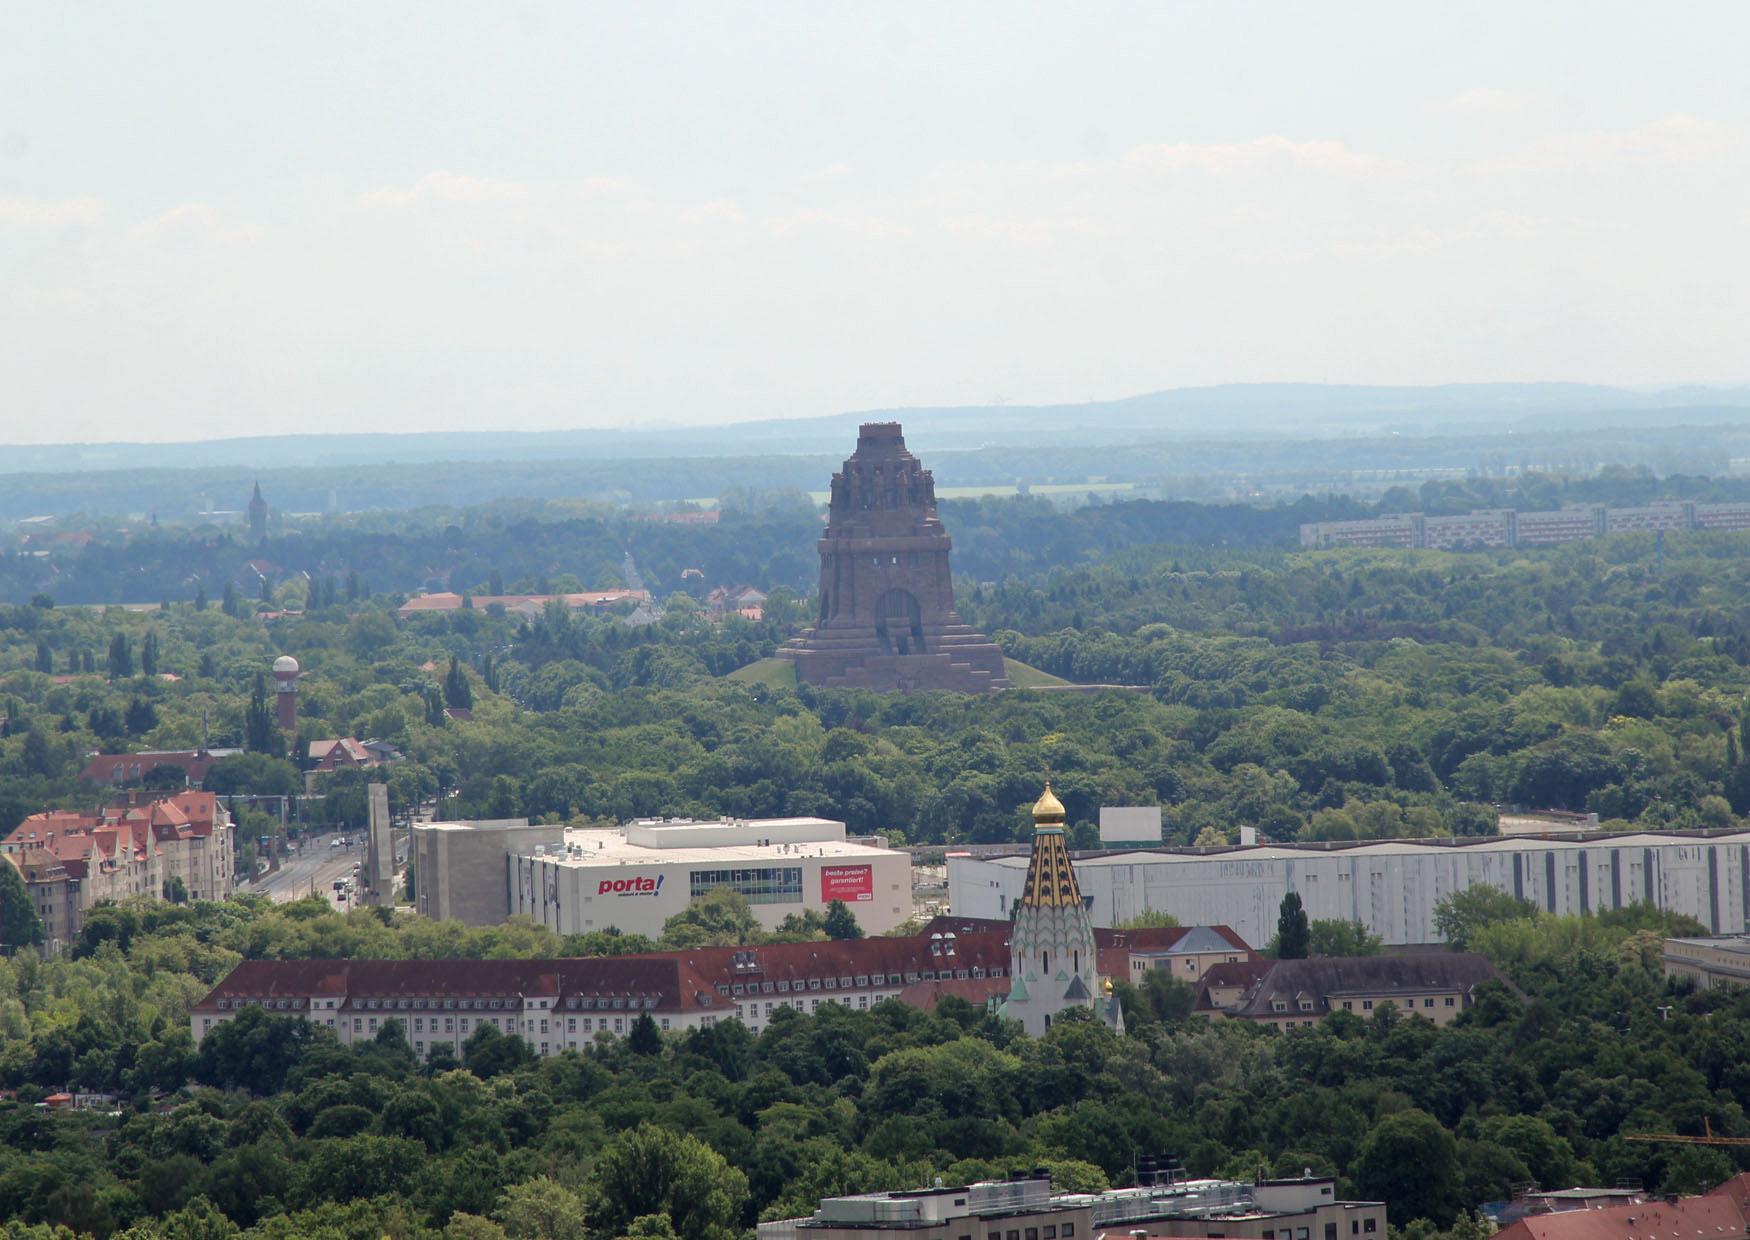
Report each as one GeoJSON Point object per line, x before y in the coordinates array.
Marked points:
{"type": "Point", "coordinates": [1677, 1138]}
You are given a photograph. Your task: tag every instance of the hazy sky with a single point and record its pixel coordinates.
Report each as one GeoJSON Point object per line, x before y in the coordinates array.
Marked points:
{"type": "Point", "coordinates": [248, 218]}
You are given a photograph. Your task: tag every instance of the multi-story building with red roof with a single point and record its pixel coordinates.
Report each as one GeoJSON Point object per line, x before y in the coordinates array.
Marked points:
{"type": "Point", "coordinates": [560, 1005]}
{"type": "Point", "coordinates": [133, 846]}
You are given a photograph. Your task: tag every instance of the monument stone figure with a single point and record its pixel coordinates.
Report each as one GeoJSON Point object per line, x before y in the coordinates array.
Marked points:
{"type": "Point", "coordinates": [887, 618]}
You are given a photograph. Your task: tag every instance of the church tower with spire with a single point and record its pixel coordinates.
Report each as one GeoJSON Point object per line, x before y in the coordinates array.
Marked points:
{"type": "Point", "coordinates": [257, 516]}
{"type": "Point", "coordinates": [1052, 958]}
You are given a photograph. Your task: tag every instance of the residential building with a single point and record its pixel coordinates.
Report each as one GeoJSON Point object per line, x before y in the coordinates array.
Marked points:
{"type": "Point", "coordinates": [527, 604]}
{"type": "Point", "coordinates": [560, 1005]}
{"type": "Point", "coordinates": [120, 769]}
{"type": "Point", "coordinates": [1187, 952]}
{"type": "Point", "coordinates": [1399, 531]}
{"type": "Point", "coordinates": [134, 846]}
{"type": "Point", "coordinates": [1026, 1208]}
{"type": "Point", "coordinates": [1723, 1213]}
{"type": "Point", "coordinates": [1053, 960]}
{"type": "Point", "coordinates": [340, 753]}
{"type": "Point", "coordinates": [1505, 528]}
{"type": "Point", "coordinates": [1492, 528]}
{"type": "Point", "coordinates": [748, 602]}
{"type": "Point", "coordinates": [1293, 994]}
{"type": "Point", "coordinates": [54, 893]}
{"type": "Point", "coordinates": [1390, 886]}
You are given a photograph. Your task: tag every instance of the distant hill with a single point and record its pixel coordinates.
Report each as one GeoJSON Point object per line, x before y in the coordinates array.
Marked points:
{"type": "Point", "coordinates": [1234, 411]}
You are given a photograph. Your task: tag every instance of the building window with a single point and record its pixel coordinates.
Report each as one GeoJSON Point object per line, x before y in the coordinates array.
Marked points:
{"type": "Point", "coordinates": [1051, 1232]}
{"type": "Point", "coordinates": [1330, 1231]}
{"type": "Point", "coordinates": [1367, 1005]}
{"type": "Point", "coordinates": [763, 885]}
{"type": "Point", "coordinates": [1369, 1224]}
{"type": "Point", "coordinates": [1427, 1003]}
{"type": "Point", "coordinates": [1449, 1001]}
{"type": "Point", "coordinates": [1032, 1233]}
{"type": "Point", "coordinates": [1069, 1229]}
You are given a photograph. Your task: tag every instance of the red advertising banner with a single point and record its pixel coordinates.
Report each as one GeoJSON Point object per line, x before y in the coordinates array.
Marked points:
{"type": "Point", "coordinates": [847, 882]}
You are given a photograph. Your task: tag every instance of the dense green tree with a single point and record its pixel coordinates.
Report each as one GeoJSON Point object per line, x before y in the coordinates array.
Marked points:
{"type": "Point", "coordinates": [1342, 938]}
{"type": "Point", "coordinates": [542, 1209]}
{"type": "Point", "coordinates": [840, 922]}
{"type": "Point", "coordinates": [458, 694]}
{"type": "Point", "coordinates": [651, 1170]}
{"type": "Point", "coordinates": [720, 917]}
{"type": "Point", "coordinates": [261, 733]}
{"type": "Point", "coordinates": [1459, 916]}
{"type": "Point", "coordinates": [121, 657]}
{"type": "Point", "coordinates": [643, 1038]}
{"type": "Point", "coordinates": [1411, 1161]}
{"type": "Point", "coordinates": [1293, 935]}
{"type": "Point", "coordinates": [20, 925]}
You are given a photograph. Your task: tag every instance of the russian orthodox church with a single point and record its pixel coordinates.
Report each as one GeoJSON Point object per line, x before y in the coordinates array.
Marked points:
{"type": "Point", "coordinates": [1053, 965]}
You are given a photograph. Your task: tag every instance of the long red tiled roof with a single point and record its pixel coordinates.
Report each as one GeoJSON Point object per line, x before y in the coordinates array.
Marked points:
{"type": "Point", "coordinates": [102, 768]}
{"type": "Point", "coordinates": [1716, 1215]}
{"type": "Point", "coordinates": [131, 826]}
{"type": "Point", "coordinates": [697, 979]}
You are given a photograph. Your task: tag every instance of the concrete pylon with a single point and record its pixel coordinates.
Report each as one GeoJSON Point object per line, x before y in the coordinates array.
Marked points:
{"type": "Point", "coordinates": [379, 849]}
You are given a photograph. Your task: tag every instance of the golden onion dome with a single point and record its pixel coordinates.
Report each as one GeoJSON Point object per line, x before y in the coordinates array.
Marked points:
{"type": "Point", "coordinates": [1048, 810]}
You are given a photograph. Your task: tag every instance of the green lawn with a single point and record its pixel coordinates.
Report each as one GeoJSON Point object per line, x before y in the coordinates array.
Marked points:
{"type": "Point", "coordinates": [1022, 676]}
{"type": "Point", "coordinates": [775, 672]}
{"type": "Point", "coordinates": [781, 673]}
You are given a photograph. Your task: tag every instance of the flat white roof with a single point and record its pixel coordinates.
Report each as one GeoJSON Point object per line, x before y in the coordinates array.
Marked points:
{"type": "Point", "coordinates": [587, 848]}
{"type": "Point", "coordinates": [481, 824]}
{"type": "Point", "coordinates": [1442, 846]}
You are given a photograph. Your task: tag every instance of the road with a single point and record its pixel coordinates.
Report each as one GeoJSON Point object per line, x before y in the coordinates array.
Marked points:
{"type": "Point", "coordinates": [316, 868]}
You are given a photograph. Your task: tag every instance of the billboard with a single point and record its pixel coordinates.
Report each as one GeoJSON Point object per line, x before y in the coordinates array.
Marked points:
{"type": "Point", "coordinates": [847, 882]}
{"type": "Point", "coordinates": [1130, 824]}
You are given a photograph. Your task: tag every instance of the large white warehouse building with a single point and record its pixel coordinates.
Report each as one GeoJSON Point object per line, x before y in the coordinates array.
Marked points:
{"type": "Point", "coordinates": [638, 876]}
{"type": "Point", "coordinates": [1390, 887]}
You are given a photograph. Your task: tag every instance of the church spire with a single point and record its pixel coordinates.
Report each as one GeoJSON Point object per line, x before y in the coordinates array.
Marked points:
{"type": "Point", "coordinates": [1051, 879]}
{"type": "Point", "coordinates": [1053, 956]}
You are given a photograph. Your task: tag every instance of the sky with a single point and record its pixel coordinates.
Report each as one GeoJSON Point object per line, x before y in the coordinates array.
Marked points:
{"type": "Point", "coordinates": [241, 219]}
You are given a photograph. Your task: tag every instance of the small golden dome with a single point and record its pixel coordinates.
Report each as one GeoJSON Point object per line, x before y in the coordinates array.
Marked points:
{"type": "Point", "coordinates": [1106, 987]}
{"type": "Point", "coordinates": [1048, 810]}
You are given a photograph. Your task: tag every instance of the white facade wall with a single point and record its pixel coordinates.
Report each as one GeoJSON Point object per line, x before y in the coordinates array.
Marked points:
{"type": "Point", "coordinates": [549, 1025]}
{"type": "Point", "coordinates": [573, 896]}
{"type": "Point", "coordinates": [1390, 888]}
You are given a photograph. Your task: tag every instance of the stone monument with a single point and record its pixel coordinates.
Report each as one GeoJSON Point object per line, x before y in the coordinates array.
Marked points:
{"type": "Point", "coordinates": [887, 618]}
